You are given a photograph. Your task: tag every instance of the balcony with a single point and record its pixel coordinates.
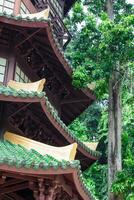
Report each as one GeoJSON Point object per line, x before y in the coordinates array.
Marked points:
{"type": "Point", "coordinates": [56, 15]}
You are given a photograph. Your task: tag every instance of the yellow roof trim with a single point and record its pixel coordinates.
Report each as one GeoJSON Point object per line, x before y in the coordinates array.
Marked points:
{"type": "Point", "coordinates": [91, 145]}
{"type": "Point", "coordinates": [29, 87]}
{"type": "Point", "coordinates": [67, 153]}
{"type": "Point", "coordinates": [43, 14]}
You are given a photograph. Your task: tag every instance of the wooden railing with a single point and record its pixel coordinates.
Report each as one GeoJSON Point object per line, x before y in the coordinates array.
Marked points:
{"type": "Point", "coordinates": [62, 33]}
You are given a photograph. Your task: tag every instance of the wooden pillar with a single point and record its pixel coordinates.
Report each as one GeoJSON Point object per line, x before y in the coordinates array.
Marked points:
{"type": "Point", "coordinates": [17, 6]}
{"type": "Point", "coordinates": [2, 180]}
{"type": "Point", "coordinates": [41, 189]}
{"type": "Point", "coordinates": [34, 188]}
{"type": "Point", "coordinates": [51, 193]}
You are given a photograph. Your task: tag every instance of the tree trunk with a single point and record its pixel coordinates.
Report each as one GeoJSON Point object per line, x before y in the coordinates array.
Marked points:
{"type": "Point", "coordinates": [114, 136]}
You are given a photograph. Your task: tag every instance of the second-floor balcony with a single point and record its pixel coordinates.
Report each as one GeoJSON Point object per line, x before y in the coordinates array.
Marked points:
{"type": "Point", "coordinates": [56, 15]}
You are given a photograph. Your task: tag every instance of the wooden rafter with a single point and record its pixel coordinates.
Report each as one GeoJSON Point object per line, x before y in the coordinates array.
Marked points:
{"type": "Point", "coordinates": [74, 100]}
{"type": "Point", "coordinates": [14, 188]}
{"type": "Point", "coordinates": [28, 37]}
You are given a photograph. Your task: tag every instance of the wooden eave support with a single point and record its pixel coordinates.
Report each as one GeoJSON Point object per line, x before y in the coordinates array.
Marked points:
{"type": "Point", "coordinates": [44, 126]}
{"type": "Point", "coordinates": [40, 175]}
{"type": "Point", "coordinates": [45, 61]}
{"type": "Point", "coordinates": [14, 188]}
{"type": "Point", "coordinates": [16, 196]}
{"type": "Point", "coordinates": [19, 110]}
{"type": "Point", "coordinates": [74, 100]}
{"type": "Point", "coordinates": [28, 37]}
{"type": "Point", "coordinates": [11, 183]}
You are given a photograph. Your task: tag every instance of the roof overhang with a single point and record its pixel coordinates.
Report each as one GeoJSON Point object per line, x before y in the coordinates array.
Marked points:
{"type": "Point", "coordinates": [28, 165]}
{"type": "Point", "coordinates": [47, 114]}
{"type": "Point", "coordinates": [40, 29]}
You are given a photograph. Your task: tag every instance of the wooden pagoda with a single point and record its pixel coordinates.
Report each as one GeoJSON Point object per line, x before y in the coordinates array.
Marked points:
{"type": "Point", "coordinates": [37, 102]}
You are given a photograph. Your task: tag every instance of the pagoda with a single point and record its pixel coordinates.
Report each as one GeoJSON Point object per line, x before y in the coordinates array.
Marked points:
{"type": "Point", "coordinates": [40, 157]}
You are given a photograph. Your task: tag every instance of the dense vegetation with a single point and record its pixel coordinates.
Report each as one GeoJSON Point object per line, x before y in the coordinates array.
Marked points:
{"type": "Point", "coordinates": [98, 45]}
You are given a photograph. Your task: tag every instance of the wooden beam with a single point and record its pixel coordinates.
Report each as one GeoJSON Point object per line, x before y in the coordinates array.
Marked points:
{"type": "Point", "coordinates": [27, 178]}
{"type": "Point", "coordinates": [44, 126]}
{"type": "Point", "coordinates": [66, 187]}
{"type": "Point", "coordinates": [73, 100]}
{"type": "Point", "coordinates": [46, 62]}
{"type": "Point", "coordinates": [20, 109]}
{"type": "Point", "coordinates": [14, 188]}
{"type": "Point", "coordinates": [16, 196]}
{"type": "Point", "coordinates": [28, 37]}
{"type": "Point", "coordinates": [17, 176]}
{"type": "Point", "coordinates": [11, 182]}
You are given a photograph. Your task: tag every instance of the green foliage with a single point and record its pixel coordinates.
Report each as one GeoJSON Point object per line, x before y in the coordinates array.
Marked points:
{"type": "Point", "coordinates": [91, 118]}
{"type": "Point", "coordinates": [80, 130]}
{"type": "Point", "coordinates": [96, 177]}
{"type": "Point", "coordinates": [124, 183]}
{"type": "Point", "coordinates": [98, 47]}
{"type": "Point", "coordinates": [80, 77]}
{"type": "Point", "coordinates": [86, 125]}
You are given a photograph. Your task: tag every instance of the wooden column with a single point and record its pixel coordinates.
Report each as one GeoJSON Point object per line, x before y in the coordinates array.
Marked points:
{"type": "Point", "coordinates": [34, 188]}
{"type": "Point", "coordinates": [41, 189]}
{"type": "Point", "coordinates": [2, 179]}
{"type": "Point", "coordinates": [52, 192]}
{"type": "Point", "coordinates": [17, 6]}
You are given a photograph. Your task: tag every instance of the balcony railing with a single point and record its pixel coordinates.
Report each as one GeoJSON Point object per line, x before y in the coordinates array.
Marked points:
{"type": "Point", "coordinates": [60, 30]}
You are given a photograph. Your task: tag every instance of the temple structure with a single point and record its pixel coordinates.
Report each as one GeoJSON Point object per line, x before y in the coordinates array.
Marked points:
{"type": "Point", "coordinates": [40, 158]}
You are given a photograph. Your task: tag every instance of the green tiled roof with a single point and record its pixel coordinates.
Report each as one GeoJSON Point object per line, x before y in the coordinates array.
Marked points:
{"type": "Point", "coordinates": [18, 156]}
{"type": "Point", "coordinates": [7, 91]}
{"type": "Point", "coordinates": [19, 17]}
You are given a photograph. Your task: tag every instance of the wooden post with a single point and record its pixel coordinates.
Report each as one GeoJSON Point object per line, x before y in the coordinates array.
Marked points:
{"type": "Point", "coordinates": [41, 189]}
{"type": "Point", "coordinates": [52, 192]}
{"type": "Point", "coordinates": [17, 6]}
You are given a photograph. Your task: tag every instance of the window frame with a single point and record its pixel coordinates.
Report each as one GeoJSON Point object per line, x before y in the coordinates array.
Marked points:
{"type": "Point", "coordinates": [6, 69]}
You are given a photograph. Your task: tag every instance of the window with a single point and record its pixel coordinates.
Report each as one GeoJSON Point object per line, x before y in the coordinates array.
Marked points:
{"type": "Point", "coordinates": [20, 76]}
{"type": "Point", "coordinates": [23, 9]}
{"type": "Point", "coordinates": [7, 6]}
{"type": "Point", "coordinates": [3, 63]}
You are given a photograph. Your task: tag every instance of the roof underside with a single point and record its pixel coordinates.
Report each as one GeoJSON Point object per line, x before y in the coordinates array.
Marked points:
{"type": "Point", "coordinates": [37, 40]}
{"type": "Point", "coordinates": [41, 121]}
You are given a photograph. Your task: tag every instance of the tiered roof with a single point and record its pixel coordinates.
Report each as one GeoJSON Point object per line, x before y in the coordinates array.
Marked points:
{"type": "Point", "coordinates": [12, 95]}
{"type": "Point", "coordinates": [18, 161]}
{"type": "Point", "coordinates": [40, 27]}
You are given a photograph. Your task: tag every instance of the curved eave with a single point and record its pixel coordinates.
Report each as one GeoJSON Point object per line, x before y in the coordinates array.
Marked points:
{"type": "Point", "coordinates": [74, 171]}
{"type": "Point", "coordinates": [13, 96]}
{"type": "Point", "coordinates": [64, 61]}
{"type": "Point", "coordinates": [45, 26]}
